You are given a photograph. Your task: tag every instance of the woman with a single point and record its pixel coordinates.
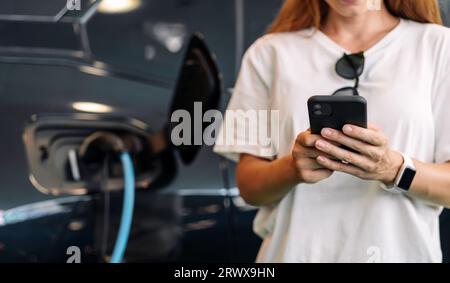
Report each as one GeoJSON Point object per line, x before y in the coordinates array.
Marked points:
{"type": "Point", "coordinates": [317, 209]}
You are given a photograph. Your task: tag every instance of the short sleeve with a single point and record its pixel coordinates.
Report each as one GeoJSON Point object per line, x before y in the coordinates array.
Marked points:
{"type": "Point", "coordinates": [441, 112]}
{"type": "Point", "coordinates": [247, 124]}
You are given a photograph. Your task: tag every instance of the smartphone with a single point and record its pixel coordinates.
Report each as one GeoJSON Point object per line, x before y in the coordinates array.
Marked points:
{"type": "Point", "coordinates": [327, 111]}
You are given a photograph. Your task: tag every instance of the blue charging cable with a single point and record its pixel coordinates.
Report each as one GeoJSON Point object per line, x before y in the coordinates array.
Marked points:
{"type": "Point", "coordinates": [127, 209]}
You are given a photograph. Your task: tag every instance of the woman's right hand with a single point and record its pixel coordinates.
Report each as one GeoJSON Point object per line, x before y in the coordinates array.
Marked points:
{"type": "Point", "coordinates": [305, 159]}
{"type": "Point", "coordinates": [263, 182]}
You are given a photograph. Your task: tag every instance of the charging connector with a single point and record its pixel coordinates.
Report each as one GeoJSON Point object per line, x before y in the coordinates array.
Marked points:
{"type": "Point", "coordinates": [91, 151]}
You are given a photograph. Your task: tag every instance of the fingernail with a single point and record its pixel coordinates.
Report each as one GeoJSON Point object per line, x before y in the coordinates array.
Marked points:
{"type": "Point", "coordinates": [327, 132]}
{"type": "Point", "coordinates": [321, 159]}
{"type": "Point", "coordinates": [320, 144]}
{"type": "Point", "coordinates": [348, 129]}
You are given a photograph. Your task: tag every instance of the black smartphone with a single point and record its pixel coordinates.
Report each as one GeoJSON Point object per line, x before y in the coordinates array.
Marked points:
{"type": "Point", "coordinates": [327, 111]}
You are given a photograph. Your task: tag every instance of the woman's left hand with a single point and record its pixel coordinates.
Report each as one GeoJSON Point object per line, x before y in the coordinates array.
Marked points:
{"type": "Point", "coordinates": [373, 160]}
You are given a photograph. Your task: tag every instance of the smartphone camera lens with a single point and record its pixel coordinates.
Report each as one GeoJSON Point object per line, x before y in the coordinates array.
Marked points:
{"type": "Point", "coordinates": [317, 110]}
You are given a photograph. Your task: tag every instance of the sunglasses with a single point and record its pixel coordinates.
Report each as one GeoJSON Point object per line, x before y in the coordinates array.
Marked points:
{"type": "Point", "coordinates": [350, 67]}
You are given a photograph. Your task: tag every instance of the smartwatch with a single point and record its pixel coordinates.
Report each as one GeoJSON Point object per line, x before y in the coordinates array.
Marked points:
{"type": "Point", "coordinates": [405, 176]}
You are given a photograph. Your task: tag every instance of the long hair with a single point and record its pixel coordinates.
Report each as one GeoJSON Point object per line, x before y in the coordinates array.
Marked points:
{"type": "Point", "coordinates": [301, 14]}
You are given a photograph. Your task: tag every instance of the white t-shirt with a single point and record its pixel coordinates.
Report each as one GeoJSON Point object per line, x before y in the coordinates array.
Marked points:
{"type": "Point", "coordinates": [406, 82]}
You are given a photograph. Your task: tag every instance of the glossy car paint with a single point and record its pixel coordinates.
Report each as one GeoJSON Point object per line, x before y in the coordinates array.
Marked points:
{"type": "Point", "coordinates": [199, 216]}
{"type": "Point", "coordinates": [199, 205]}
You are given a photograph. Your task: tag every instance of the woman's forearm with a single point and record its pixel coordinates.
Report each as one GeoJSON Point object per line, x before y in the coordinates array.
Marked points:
{"type": "Point", "coordinates": [262, 182]}
{"type": "Point", "coordinates": [432, 183]}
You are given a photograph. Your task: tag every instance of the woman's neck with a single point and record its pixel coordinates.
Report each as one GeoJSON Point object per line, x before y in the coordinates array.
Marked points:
{"type": "Point", "coordinates": [359, 33]}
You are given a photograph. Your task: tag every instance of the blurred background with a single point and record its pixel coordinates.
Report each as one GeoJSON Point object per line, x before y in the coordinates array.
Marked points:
{"type": "Point", "coordinates": [70, 68]}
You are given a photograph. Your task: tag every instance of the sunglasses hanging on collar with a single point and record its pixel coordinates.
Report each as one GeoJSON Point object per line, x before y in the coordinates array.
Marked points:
{"type": "Point", "coordinates": [350, 67]}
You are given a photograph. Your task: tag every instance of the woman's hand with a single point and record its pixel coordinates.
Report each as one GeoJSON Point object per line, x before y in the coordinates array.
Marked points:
{"type": "Point", "coordinates": [308, 169]}
{"type": "Point", "coordinates": [373, 160]}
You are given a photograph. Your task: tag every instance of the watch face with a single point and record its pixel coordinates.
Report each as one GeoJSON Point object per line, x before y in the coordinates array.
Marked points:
{"type": "Point", "coordinates": [407, 179]}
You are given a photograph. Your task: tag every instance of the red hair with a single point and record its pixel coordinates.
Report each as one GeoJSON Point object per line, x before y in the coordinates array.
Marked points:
{"type": "Point", "coordinates": [301, 14]}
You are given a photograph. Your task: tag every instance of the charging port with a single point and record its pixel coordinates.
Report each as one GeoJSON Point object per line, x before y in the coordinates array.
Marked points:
{"type": "Point", "coordinates": [63, 160]}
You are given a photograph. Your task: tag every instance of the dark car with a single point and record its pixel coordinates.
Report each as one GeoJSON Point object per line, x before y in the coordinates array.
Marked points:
{"type": "Point", "coordinates": [57, 63]}
{"type": "Point", "coordinates": [68, 71]}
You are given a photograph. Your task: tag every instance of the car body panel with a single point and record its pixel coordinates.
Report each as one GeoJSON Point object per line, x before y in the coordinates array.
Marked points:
{"type": "Point", "coordinates": [196, 218]}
